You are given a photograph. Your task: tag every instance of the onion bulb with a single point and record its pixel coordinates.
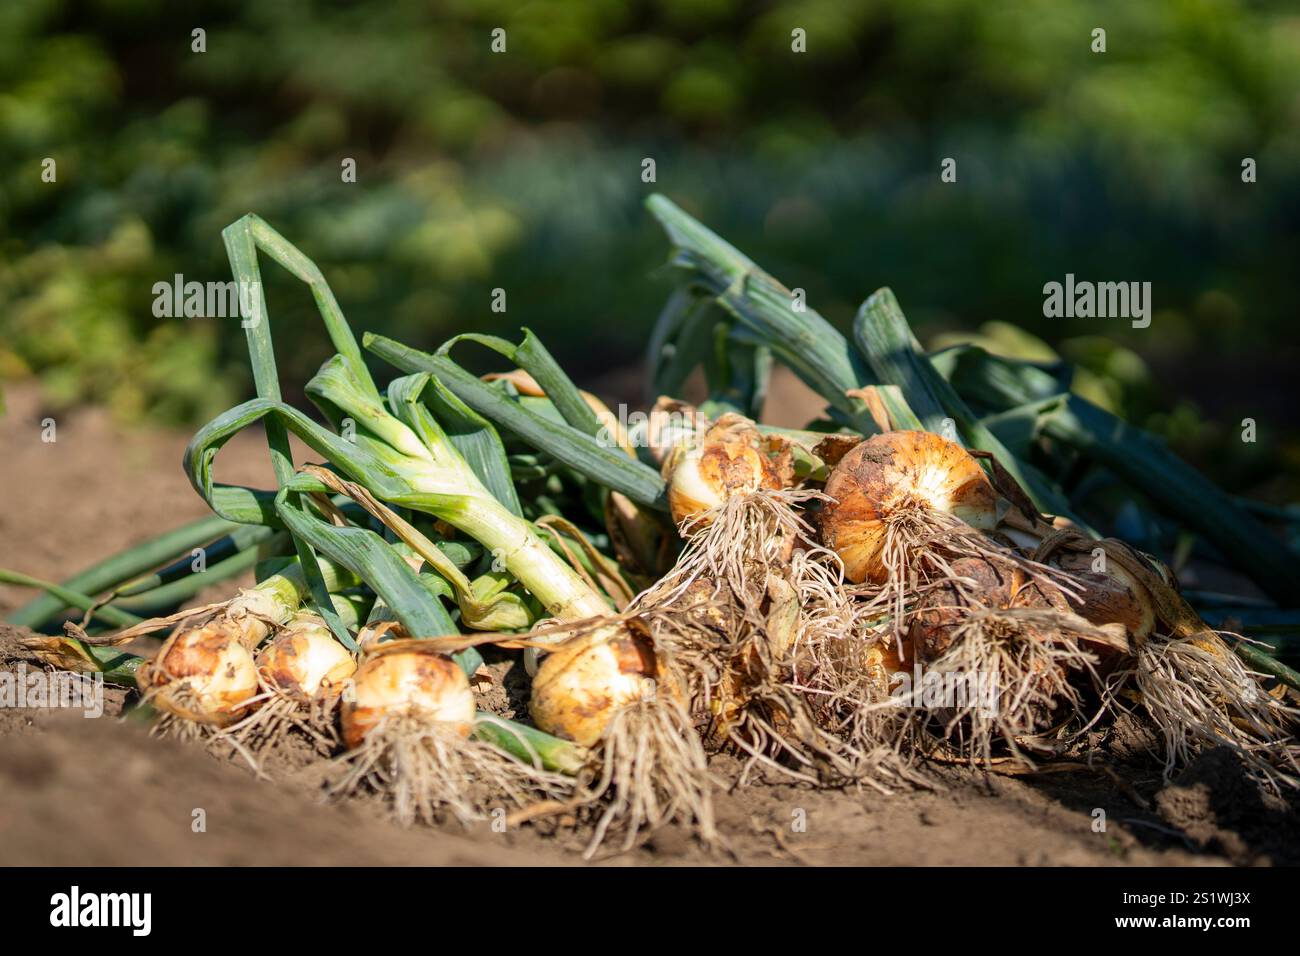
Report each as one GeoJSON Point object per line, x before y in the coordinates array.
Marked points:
{"type": "Point", "coordinates": [1117, 591]}
{"type": "Point", "coordinates": [408, 725]}
{"type": "Point", "coordinates": [731, 457]}
{"type": "Point", "coordinates": [408, 682]}
{"type": "Point", "coordinates": [892, 475]}
{"type": "Point", "coordinates": [610, 690]}
{"type": "Point", "coordinates": [204, 674]}
{"type": "Point", "coordinates": [304, 660]}
{"type": "Point", "coordinates": [583, 683]}
{"type": "Point", "coordinates": [1115, 596]}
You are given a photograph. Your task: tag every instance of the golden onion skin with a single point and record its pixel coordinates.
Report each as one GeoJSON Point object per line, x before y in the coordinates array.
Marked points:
{"type": "Point", "coordinates": [583, 683]}
{"type": "Point", "coordinates": [728, 459]}
{"type": "Point", "coordinates": [893, 470]}
{"type": "Point", "coordinates": [304, 660]}
{"type": "Point", "coordinates": [1115, 597]}
{"type": "Point", "coordinates": [421, 683]}
{"type": "Point", "coordinates": [204, 674]}
{"type": "Point", "coordinates": [883, 660]}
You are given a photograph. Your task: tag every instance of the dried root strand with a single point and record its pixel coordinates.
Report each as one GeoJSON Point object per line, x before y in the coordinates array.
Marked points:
{"type": "Point", "coordinates": [649, 770]}
{"type": "Point", "coordinates": [1200, 695]}
{"type": "Point", "coordinates": [751, 611]}
{"type": "Point", "coordinates": [736, 544]}
{"type": "Point", "coordinates": [428, 772]}
{"type": "Point", "coordinates": [279, 715]}
{"type": "Point", "coordinates": [1006, 676]}
{"type": "Point", "coordinates": [920, 548]}
{"type": "Point", "coordinates": [174, 726]}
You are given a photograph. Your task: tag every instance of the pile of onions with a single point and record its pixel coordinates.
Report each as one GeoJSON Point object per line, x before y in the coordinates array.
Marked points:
{"type": "Point", "coordinates": [913, 518]}
{"type": "Point", "coordinates": [974, 579]}
{"type": "Point", "coordinates": [205, 674]}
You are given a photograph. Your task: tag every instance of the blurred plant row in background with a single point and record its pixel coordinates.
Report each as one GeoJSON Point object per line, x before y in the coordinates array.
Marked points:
{"type": "Point", "coordinates": [522, 170]}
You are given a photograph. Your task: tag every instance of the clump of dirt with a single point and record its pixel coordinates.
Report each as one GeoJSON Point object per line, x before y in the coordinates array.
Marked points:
{"type": "Point", "coordinates": [501, 684]}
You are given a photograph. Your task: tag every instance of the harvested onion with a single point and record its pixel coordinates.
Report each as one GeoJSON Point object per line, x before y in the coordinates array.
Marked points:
{"type": "Point", "coordinates": [407, 723]}
{"type": "Point", "coordinates": [730, 457]}
{"type": "Point", "coordinates": [1117, 591]}
{"type": "Point", "coordinates": [609, 689]}
{"type": "Point", "coordinates": [203, 674]}
{"type": "Point", "coordinates": [581, 685]}
{"type": "Point", "coordinates": [302, 670]}
{"type": "Point", "coordinates": [890, 478]}
{"type": "Point", "coordinates": [304, 660]}
{"type": "Point", "coordinates": [427, 687]}
{"type": "Point", "coordinates": [748, 588]}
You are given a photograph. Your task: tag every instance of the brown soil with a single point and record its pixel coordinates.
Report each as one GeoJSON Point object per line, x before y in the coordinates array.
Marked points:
{"type": "Point", "coordinates": [77, 791]}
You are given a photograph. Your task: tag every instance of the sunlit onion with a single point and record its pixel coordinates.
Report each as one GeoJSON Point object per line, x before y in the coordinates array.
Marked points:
{"type": "Point", "coordinates": [729, 458]}
{"type": "Point", "coordinates": [894, 473]}
{"type": "Point", "coordinates": [203, 674]}
{"type": "Point", "coordinates": [583, 683]}
{"type": "Point", "coordinates": [305, 660]}
{"type": "Point", "coordinates": [425, 685]}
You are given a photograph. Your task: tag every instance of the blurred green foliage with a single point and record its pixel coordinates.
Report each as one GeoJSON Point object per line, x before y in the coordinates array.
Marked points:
{"type": "Point", "coordinates": [522, 170]}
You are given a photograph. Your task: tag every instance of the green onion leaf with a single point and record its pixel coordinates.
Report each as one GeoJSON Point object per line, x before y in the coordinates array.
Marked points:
{"type": "Point", "coordinates": [604, 463]}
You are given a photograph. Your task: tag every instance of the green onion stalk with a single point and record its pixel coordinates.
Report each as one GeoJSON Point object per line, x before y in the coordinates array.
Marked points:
{"type": "Point", "coordinates": [114, 571]}
{"type": "Point", "coordinates": [402, 456]}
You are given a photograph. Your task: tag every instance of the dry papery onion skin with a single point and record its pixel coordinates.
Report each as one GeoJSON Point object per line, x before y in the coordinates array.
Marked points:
{"type": "Point", "coordinates": [304, 660]}
{"type": "Point", "coordinates": [730, 457]}
{"type": "Point", "coordinates": [206, 672]}
{"type": "Point", "coordinates": [203, 674]}
{"type": "Point", "coordinates": [302, 671]}
{"type": "Point", "coordinates": [891, 473]}
{"type": "Point", "coordinates": [416, 683]}
{"type": "Point", "coordinates": [407, 725]}
{"type": "Point", "coordinates": [582, 684]}
{"type": "Point", "coordinates": [979, 582]}
{"type": "Point", "coordinates": [610, 691]}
